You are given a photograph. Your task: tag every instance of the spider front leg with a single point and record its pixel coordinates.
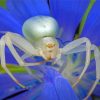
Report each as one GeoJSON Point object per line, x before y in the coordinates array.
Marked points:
{"type": "Point", "coordinates": [10, 39]}
{"type": "Point", "coordinates": [29, 50]}
{"type": "Point", "coordinates": [24, 45]}
{"type": "Point", "coordinates": [3, 62]}
{"type": "Point", "coordinates": [71, 46]}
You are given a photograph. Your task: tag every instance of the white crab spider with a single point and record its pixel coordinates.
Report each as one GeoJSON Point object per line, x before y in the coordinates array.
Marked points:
{"type": "Point", "coordinates": [40, 32]}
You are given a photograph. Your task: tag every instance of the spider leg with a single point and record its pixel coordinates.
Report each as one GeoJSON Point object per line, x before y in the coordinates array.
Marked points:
{"type": "Point", "coordinates": [17, 57]}
{"type": "Point", "coordinates": [82, 48]}
{"type": "Point", "coordinates": [97, 59]}
{"type": "Point", "coordinates": [3, 63]}
{"type": "Point", "coordinates": [75, 44]}
{"type": "Point", "coordinates": [25, 56]}
{"type": "Point", "coordinates": [16, 40]}
{"type": "Point", "coordinates": [57, 58]}
{"type": "Point", "coordinates": [79, 49]}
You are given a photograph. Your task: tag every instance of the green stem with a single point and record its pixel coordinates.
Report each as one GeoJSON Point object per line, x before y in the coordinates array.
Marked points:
{"type": "Point", "coordinates": [3, 3]}
{"type": "Point", "coordinates": [86, 15]}
{"type": "Point", "coordinates": [14, 69]}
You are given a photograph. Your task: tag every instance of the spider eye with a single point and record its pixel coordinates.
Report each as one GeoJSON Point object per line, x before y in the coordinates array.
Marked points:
{"type": "Point", "coordinates": [50, 45]}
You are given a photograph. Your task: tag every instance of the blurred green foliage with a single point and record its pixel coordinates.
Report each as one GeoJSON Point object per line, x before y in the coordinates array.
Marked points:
{"type": "Point", "coordinates": [2, 3]}
{"type": "Point", "coordinates": [14, 69]}
{"type": "Point", "coordinates": [86, 15]}
{"type": "Point", "coordinates": [84, 18]}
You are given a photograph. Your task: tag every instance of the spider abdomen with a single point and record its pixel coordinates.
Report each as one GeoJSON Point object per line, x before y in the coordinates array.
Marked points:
{"type": "Point", "coordinates": [39, 27]}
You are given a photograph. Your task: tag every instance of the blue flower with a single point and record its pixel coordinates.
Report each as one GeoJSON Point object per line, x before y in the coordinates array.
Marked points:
{"type": "Point", "coordinates": [69, 14]}
{"type": "Point", "coordinates": [54, 87]}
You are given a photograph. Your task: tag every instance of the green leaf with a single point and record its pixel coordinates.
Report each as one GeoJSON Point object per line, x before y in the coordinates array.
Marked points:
{"type": "Point", "coordinates": [14, 69]}
{"type": "Point", "coordinates": [3, 3]}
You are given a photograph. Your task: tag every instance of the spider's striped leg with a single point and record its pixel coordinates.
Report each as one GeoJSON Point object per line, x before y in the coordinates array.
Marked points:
{"type": "Point", "coordinates": [3, 62]}
{"type": "Point", "coordinates": [9, 43]}
{"type": "Point", "coordinates": [72, 46]}
{"type": "Point", "coordinates": [97, 60]}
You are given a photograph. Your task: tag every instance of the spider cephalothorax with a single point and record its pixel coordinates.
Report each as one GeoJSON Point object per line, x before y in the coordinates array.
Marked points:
{"type": "Point", "coordinates": [48, 48]}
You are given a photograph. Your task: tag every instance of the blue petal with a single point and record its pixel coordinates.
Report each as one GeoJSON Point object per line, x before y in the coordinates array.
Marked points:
{"type": "Point", "coordinates": [24, 9]}
{"type": "Point", "coordinates": [54, 87]}
{"type": "Point", "coordinates": [64, 89]}
{"type": "Point", "coordinates": [57, 88]}
{"type": "Point", "coordinates": [48, 92]}
{"type": "Point", "coordinates": [91, 29]}
{"type": "Point", "coordinates": [9, 55]}
{"type": "Point", "coordinates": [12, 88]}
{"type": "Point", "coordinates": [8, 23]}
{"type": "Point", "coordinates": [69, 14]}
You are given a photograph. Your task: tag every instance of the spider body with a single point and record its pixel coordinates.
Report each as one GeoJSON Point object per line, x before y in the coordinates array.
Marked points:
{"type": "Point", "coordinates": [40, 40]}
{"type": "Point", "coordinates": [41, 32]}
